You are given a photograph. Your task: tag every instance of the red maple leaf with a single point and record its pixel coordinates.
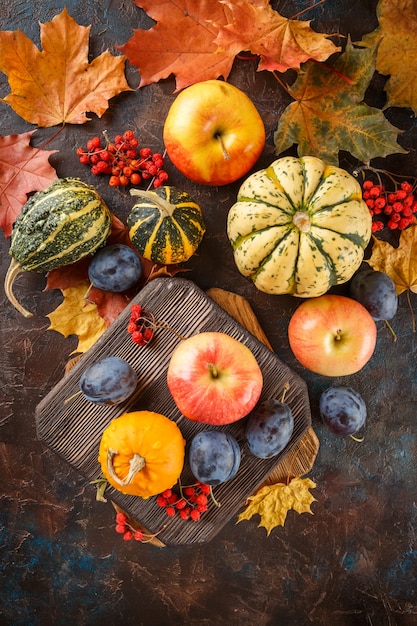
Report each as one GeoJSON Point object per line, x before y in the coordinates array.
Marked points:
{"type": "Point", "coordinates": [23, 169]}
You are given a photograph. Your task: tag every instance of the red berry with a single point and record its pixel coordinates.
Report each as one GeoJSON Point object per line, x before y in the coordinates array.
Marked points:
{"type": "Point", "coordinates": [128, 135]}
{"type": "Point", "coordinates": [120, 528]}
{"type": "Point", "coordinates": [138, 536]}
{"type": "Point", "coordinates": [377, 226]}
{"type": "Point", "coordinates": [161, 501]}
{"type": "Point", "coordinates": [407, 187]}
{"type": "Point", "coordinates": [185, 513]}
{"type": "Point", "coordinates": [195, 515]}
{"type": "Point", "coordinates": [114, 181]}
{"type": "Point", "coordinates": [136, 310]}
{"type": "Point", "coordinates": [367, 184]}
{"type": "Point", "coordinates": [181, 504]}
{"type": "Point", "coordinates": [170, 511]}
{"type": "Point", "coordinates": [121, 518]}
{"type": "Point", "coordinates": [135, 178]}
{"type": "Point", "coordinates": [162, 175]}
{"type": "Point", "coordinates": [128, 535]}
{"type": "Point", "coordinates": [375, 191]}
{"type": "Point", "coordinates": [93, 143]}
{"type": "Point", "coordinates": [137, 337]}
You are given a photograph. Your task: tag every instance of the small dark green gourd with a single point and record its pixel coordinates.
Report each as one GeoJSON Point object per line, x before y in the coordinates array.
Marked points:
{"type": "Point", "coordinates": [57, 226]}
{"type": "Point", "coordinates": [165, 225]}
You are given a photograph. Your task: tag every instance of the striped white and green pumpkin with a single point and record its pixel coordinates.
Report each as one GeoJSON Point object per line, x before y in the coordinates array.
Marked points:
{"type": "Point", "coordinates": [58, 226]}
{"type": "Point", "coordinates": [165, 225]}
{"type": "Point", "coordinates": [299, 227]}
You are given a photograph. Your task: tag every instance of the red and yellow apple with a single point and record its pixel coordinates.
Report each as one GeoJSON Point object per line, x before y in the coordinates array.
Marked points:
{"type": "Point", "coordinates": [332, 335]}
{"type": "Point", "coordinates": [214, 378]}
{"type": "Point", "coordinates": [213, 133]}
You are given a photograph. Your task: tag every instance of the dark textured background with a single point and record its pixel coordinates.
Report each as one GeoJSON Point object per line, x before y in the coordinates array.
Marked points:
{"type": "Point", "coordinates": [353, 563]}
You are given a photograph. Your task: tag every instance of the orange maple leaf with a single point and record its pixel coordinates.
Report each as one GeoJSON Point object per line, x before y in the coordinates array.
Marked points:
{"type": "Point", "coordinates": [23, 169]}
{"type": "Point", "coordinates": [58, 85]}
{"type": "Point", "coordinates": [280, 42]}
{"type": "Point", "coordinates": [180, 43]}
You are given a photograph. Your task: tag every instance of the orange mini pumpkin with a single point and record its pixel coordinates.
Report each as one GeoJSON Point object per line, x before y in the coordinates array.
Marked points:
{"type": "Point", "coordinates": [142, 453]}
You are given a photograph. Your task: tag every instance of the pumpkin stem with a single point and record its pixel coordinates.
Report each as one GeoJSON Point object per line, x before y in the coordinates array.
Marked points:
{"type": "Point", "coordinates": [14, 270]}
{"type": "Point", "coordinates": [136, 464]}
{"type": "Point", "coordinates": [164, 205]}
{"type": "Point", "coordinates": [302, 221]}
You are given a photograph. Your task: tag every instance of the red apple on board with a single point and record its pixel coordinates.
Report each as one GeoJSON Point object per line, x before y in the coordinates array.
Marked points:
{"type": "Point", "coordinates": [214, 378]}
{"type": "Point", "coordinates": [332, 335]}
{"type": "Point", "coordinates": [213, 133]}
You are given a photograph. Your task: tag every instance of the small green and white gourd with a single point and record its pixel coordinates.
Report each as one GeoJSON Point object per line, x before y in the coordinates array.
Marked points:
{"type": "Point", "coordinates": [299, 227]}
{"type": "Point", "coordinates": [57, 226]}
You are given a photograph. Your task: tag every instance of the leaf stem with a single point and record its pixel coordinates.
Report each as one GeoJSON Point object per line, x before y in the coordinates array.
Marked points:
{"type": "Point", "coordinates": [313, 6]}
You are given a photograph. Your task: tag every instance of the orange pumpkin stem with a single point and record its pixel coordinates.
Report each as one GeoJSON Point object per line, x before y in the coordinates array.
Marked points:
{"type": "Point", "coordinates": [136, 464]}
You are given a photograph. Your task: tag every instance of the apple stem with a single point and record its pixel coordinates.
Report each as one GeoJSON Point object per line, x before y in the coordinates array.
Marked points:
{"type": "Point", "coordinates": [226, 155]}
{"type": "Point", "coordinates": [213, 370]}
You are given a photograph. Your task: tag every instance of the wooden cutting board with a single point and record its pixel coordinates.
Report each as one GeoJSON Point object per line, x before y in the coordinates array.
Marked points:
{"type": "Point", "coordinates": [300, 460]}
{"type": "Point", "coordinates": [73, 430]}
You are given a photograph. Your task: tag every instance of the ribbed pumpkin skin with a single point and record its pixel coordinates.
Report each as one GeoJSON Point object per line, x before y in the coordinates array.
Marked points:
{"type": "Point", "coordinates": [299, 227]}
{"type": "Point", "coordinates": [59, 226]}
{"type": "Point", "coordinates": [166, 226]}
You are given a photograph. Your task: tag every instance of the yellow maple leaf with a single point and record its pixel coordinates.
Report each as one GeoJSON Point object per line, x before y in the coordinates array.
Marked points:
{"type": "Point", "coordinates": [75, 316]}
{"type": "Point", "coordinates": [58, 84]}
{"type": "Point", "coordinates": [400, 263]}
{"type": "Point", "coordinates": [272, 502]}
{"type": "Point", "coordinates": [397, 56]}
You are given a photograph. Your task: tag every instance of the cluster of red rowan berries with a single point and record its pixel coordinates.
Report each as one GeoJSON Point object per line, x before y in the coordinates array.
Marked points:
{"type": "Point", "coordinates": [189, 504]}
{"type": "Point", "coordinates": [141, 325]}
{"type": "Point", "coordinates": [123, 527]}
{"type": "Point", "coordinates": [395, 210]}
{"type": "Point", "coordinates": [123, 160]}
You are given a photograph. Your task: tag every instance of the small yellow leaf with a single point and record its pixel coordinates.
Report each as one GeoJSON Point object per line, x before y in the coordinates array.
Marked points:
{"type": "Point", "coordinates": [399, 263]}
{"type": "Point", "coordinates": [272, 502]}
{"type": "Point", "coordinates": [75, 316]}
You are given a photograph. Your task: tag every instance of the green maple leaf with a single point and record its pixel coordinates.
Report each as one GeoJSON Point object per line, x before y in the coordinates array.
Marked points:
{"type": "Point", "coordinates": [329, 114]}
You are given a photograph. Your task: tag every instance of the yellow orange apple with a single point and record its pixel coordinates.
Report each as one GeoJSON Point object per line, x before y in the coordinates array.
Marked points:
{"type": "Point", "coordinates": [213, 133]}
